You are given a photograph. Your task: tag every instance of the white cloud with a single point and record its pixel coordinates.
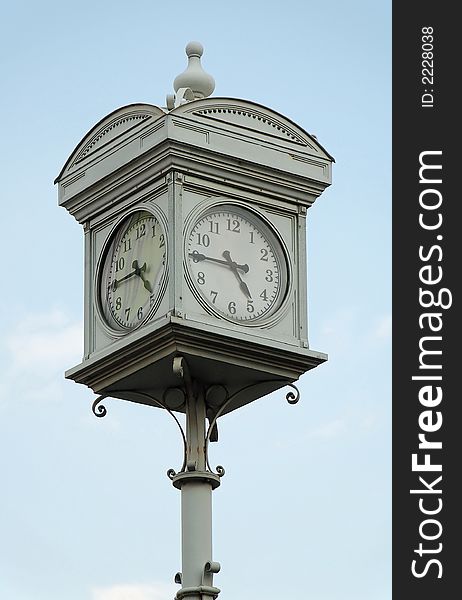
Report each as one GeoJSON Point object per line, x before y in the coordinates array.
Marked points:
{"type": "Point", "coordinates": [345, 331]}
{"type": "Point", "coordinates": [47, 341]}
{"type": "Point", "coordinates": [383, 328]}
{"type": "Point", "coordinates": [329, 430]}
{"type": "Point", "coordinates": [339, 330]}
{"type": "Point", "coordinates": [35, 353]}
{"type": "Point", "coordinates": [368, 422]}
{"type": "Point", "coordinates": [154, 591]}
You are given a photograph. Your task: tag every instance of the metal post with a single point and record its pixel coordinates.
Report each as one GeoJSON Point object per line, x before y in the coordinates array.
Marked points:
{"type": "Point", "coordinates": [196, 485]}
{"type": "Point", "coordinates": [196, 529]}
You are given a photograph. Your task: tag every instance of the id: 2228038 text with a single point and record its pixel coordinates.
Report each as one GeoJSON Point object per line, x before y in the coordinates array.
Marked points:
{"type": "Point", "coordinates": [427, 67]}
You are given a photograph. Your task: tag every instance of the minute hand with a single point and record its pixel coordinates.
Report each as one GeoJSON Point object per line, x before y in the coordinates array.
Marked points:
{"type": "Point", "coordinates": [197, 257]}
{"type": "Point", "coordinates": [233, 266]}
{"type": "Point", "coordinates": [116, 282]}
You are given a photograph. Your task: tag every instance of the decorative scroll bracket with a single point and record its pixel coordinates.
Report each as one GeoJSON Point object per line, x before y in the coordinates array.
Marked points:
{"type": "Point", "coordinates": [99, 411]}
{"type": "Point", "coordinates": [215, 409]}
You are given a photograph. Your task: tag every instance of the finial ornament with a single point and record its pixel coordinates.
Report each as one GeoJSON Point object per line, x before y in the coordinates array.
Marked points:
{"type": "Point", "coordinates": [194, 77]}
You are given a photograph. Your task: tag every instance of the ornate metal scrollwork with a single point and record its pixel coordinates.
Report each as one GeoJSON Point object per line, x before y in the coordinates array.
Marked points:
{"type": "Point", "coordinates": [220, 470]}
{"type": "Point", "coordinates": [290, 396]}
{"type": "Point", "coordinates": [176, 396]}
{"type": "Point", "coordinates": [101, 410]}
{"type": "Point", "coordinates": [171, 474]}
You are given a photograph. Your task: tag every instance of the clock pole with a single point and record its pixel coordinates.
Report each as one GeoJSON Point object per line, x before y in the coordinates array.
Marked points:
{"type": "Point", "coordinates": [196, 484]}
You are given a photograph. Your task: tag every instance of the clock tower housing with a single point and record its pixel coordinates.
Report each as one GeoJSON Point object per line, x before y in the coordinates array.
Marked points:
{"type": "Point", "coordinates": [225, 185]}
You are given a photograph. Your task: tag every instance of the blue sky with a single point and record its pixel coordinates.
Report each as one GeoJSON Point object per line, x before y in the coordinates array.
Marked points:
{"type": "Point", "coordinates": [86, 511]}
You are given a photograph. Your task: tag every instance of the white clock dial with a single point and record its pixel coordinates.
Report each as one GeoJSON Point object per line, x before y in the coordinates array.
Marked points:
{"type": "Point", "coordinates": [132, 272]}
{"type": "Point", "coordinates": [236, 264]}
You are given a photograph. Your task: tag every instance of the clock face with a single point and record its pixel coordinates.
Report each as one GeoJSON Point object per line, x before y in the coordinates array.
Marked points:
{"type": "Point", "coordinates": [132, 272]}
{"type": "Point", "coordinates": [236, 264]}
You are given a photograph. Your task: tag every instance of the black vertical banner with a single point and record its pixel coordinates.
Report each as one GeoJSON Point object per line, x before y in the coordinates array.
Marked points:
{"type": "Point", "coordinates": [427, 328]}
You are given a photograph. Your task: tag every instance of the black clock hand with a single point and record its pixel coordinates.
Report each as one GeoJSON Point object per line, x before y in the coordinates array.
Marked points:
{"type": "Point", "coordinates": [116, 282]}
{"type": "Point", "coordinates": [197, 257]}
{"type": "Point", "coordinates": [233, 267]}
{"type": "Point", "coordinates": [139, 271]}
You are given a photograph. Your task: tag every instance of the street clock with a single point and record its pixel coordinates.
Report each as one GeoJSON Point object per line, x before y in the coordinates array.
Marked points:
{"type": "Point", "coordinates": [195, 294]}
{"type": "Point", "coordinates": [194, 218]}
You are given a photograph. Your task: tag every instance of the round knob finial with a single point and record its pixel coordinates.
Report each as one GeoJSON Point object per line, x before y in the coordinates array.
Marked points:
{"type": "Point", "coordinates": [194, 77]}
{"type": "Point", "coordinates": [194, 49]}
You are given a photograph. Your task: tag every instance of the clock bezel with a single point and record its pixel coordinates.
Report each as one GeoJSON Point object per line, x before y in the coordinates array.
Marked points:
{"type": "Point", "coordinates": [117, 231]}
{"type": "Point", "coordinates": [199, 212]}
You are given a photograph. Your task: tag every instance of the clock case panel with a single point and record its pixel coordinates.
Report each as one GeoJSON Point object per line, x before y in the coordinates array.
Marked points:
{"type": "Point", "coordinates": [100, 334]}
{"type": "Point", "coordinates": [288, 324]}
{"type": "Point", "coordinates": [180, 161]}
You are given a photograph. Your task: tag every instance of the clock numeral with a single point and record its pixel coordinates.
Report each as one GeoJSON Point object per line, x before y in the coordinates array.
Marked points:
{"type": "Point", "coordinates": [127, 314]}
{"type": "Point", "coordinates": [232, 308]}
{"type": "Point", "coordinates": [201, 278]}
{"type": "Point", "coordinates": [162, 240]}
{"type": "Point", "coordinates": [118, 303]}
{"type": "Point", "coordinates": [127, 245]}
{"type": "Point", "coordinates": [152, 300]}
{"type": "Point", "coordinates": [250, 306]}
{"type": "Point", "coordinates": [269, 275]}
{"type": "Point", "coordinates": [251, 237]}
{"type": "Point", "coordinates": [235, 227]}
{"type": "Point", "coordinates": [214, 227]}
{"type": "Point", "coordinates": [120, 264]}
{"type": "Point", "coordinates": [141, 230]}
{"type": "Point", "coordinates": [203, 240]}
{"type": "Point", "coordinates": [264, 296]}
{"type": "Point", "coordinates": [154, 230]}
{"type": "Point", "coordinates": [139, 314]}
{"type": "Point", "coordinates": [214, 296]}
{"type": "Point", "coordinates": [264, 254]}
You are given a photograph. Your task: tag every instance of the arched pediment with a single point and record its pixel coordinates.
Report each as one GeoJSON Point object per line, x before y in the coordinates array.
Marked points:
{"type": "Point", "coordinates": [251, 117]}
{"type": "Point", "coordinates": [123, 122]}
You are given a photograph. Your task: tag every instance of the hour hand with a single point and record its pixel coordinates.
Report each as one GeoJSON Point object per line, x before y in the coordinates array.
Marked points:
{"type": "Point", "coordinates": [140, 272]}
